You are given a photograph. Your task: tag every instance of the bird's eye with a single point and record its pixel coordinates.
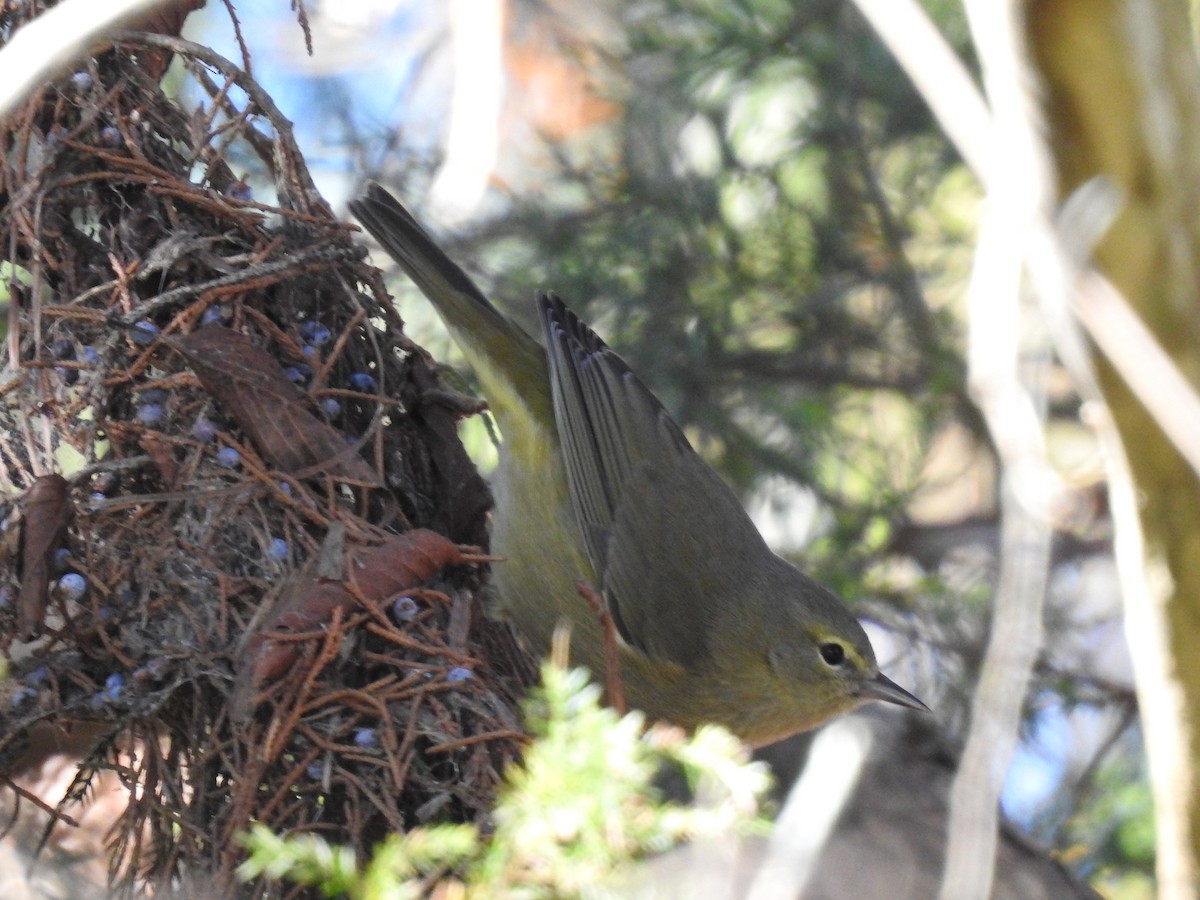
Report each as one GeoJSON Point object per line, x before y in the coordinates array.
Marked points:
{"type": "Point", "coordinates": [833, 653]}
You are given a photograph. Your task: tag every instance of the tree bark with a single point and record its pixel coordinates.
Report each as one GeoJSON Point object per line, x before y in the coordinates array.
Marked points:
{"type": "Point", "coordinates": [1121, 100]}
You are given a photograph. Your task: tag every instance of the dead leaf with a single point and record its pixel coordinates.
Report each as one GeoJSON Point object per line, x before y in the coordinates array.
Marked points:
{"type": "Point", "coordinates": [252, 388]}
{"type": "Point", "coordinates": [47, 516]}
{"type": "Point", "coordinates": [378, 572]}
{"type": "Point", "coordinates": [465, 496]}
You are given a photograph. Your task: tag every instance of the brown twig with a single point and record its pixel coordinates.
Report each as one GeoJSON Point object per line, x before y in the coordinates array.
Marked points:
{"type": "Point", "coordinates": [612, 651]}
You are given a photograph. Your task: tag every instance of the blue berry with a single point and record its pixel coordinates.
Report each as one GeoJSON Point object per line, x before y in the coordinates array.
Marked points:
{"type": "Point", "coordinates": [229, 458]}
{"type": "Point", "coordinates": [153, 395]}
{"type": "Point", "coordinates": [286, 487]}
{"type": "Point", "coordinates": [366, 738]}
{"type": "Point", "coordinates": [61, 555]}
{"type": "Point", "coordinates": [81, 81]}
{"type": "Point", "coordinates": [458, 674]}
{"type": "Point", "coordinates": [214, 315]}
{"type": "Point", "coordinates": [361, 381]}
{"type": "Point", "coordinates": [204, 430]}
{"type": "Point", "coordinates": [405, 609]}
{"type": "Point", "coordinates": [296, 374]}
{"type": "Point", "coordinates": [315, 333]}
{"type": "Point", "coordinates": [21, 696]}
{"type": "Point", "coordinates": [144, 332]}
{"type": "Point", "coordinates": [37, 677]}
{"type": "Point", "coordinates": [239, 190]}
{"type": "Point", "coordinates": [73, 585]}
{"type": "Point", "coordinates": [278, 549]}
{"type": "Point", "coordinates": [331, 406]}
{"type": "Point", "coordinates": [90, 356]}
{"type": "Point", "coordinates": [113, 685]}
{"type": "Point", "coordinates": [110, 136]}
{"type": "Point", "coordinates": [150, 414]}
{"type": "Point", "coordinates": [316, 771]}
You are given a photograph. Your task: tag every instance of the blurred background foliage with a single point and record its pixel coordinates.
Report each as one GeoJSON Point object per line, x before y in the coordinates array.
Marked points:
{"type": "Point", "coordinates": [772, 241]}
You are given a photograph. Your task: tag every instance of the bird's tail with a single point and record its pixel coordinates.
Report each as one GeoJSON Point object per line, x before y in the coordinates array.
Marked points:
{"type": "Point", "coordinates": [511, 366]}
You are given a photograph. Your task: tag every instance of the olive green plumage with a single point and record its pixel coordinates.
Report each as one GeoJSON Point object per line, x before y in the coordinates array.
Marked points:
{"type": "Point", "coordinates": [596, 482]}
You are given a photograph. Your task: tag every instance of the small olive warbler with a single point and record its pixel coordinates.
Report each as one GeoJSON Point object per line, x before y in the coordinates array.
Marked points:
{"type": "Point", "coordinates": [598, 485]}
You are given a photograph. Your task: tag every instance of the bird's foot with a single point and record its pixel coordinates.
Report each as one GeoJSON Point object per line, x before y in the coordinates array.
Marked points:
{"type": "Point", "coordinates": [612, 654]}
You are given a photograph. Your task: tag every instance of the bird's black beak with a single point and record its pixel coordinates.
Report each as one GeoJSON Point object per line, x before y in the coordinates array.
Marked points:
{"type": "Point", "coordinates": [883, 688]}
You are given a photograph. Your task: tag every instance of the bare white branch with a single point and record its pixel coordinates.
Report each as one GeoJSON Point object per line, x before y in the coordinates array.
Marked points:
{"type": "Point", "coordinates": [57, 36]}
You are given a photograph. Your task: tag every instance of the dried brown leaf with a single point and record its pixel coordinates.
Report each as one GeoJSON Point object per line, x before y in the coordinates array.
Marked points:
{"type": "Point", "coordinates": [401, 563]}
{"type": "Point", "coordinates": [47, 515]}
{"type": "Point", "coordinates": [466, 497]}
{"type": "Point", "coordinates": [251, 386]}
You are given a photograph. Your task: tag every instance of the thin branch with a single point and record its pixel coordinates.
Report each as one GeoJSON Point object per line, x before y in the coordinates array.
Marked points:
{"type": "Point", "coordinates": [938, 74]}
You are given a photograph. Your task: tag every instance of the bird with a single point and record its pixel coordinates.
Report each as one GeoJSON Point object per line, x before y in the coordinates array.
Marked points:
{"type": "Point", "coordinates": [599, 493]}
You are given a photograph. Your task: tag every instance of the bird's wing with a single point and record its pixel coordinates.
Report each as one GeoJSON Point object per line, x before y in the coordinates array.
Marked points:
{"type": "Point", "coordinates": [659, 524]}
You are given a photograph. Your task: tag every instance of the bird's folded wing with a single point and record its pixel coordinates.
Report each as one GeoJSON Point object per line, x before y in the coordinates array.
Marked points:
{"type": "Point", "coordinates": [659, 524]}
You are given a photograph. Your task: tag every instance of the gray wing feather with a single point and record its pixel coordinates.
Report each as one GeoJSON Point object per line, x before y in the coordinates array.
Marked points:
{"type": "Point", "coordinates": [659, 525]}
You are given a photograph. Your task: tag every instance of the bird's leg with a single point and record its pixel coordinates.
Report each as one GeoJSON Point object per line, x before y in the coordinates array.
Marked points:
{"type": "Point", "coordinates": [612, 655]}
